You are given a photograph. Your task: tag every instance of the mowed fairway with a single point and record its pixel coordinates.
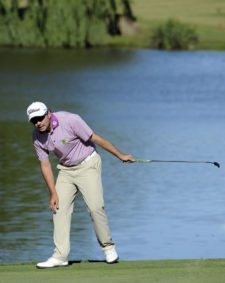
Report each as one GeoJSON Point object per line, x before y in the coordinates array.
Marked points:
{"type": "Point", "coordinates": [163, 271]}
{"type": "Point", "coordinates": [204, 12]}
{"type": "Point", "coordinates": [206, 16]}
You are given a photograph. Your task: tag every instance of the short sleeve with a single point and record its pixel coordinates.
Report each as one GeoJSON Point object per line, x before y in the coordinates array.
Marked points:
{"type": "Point", "coordinates": [41, 153]}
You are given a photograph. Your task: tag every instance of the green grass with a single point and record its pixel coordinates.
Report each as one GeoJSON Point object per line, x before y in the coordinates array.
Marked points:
{"type": "Point", "coordinates": [207, 16]}
{"type": "Point", "coordinates": [162, 271]}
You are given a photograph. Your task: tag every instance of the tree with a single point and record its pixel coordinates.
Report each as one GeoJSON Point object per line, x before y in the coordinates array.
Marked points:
{"type": "Point", "coordinates": [76, 23]}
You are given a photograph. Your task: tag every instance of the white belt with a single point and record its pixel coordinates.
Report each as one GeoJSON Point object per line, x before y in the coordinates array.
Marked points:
{"type": "Point", "coordinates": [82, 162]}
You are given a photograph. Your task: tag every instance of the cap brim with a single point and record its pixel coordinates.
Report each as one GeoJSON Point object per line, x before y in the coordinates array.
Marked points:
{"type": "Point", "coordinates": [36, 115]}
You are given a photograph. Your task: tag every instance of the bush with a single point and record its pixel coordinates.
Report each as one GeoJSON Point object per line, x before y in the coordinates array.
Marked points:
{"type": "Point", "coordinates": [174, 35]}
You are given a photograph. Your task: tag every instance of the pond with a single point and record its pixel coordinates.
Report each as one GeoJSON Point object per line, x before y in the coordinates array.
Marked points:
{"type": "Point", "coordinates": [152, 104]}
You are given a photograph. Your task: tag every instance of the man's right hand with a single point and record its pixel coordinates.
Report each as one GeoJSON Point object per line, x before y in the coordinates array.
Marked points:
{"type": "Point", "coordinates": [54, 202]}
{"type": "Point", "coordinates": [46, 170]}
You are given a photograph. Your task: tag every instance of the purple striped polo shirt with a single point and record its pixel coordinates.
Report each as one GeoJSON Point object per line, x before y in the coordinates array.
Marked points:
{"type": "Point", "coordinates": [69, 139]}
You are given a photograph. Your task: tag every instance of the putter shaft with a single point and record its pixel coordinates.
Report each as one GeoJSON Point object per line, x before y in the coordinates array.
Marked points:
{"type": "Point", "coordinates": [176, 161]}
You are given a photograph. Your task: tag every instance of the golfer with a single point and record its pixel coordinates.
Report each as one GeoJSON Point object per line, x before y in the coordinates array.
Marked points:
{"type": "Point", "coordinates": [74, 143]}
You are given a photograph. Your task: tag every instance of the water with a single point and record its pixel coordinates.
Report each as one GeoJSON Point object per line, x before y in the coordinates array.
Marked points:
{"type": "Point", "coordinates": [155, 105]}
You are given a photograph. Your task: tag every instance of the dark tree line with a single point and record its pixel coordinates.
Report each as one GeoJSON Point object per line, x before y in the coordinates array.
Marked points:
{"type": "Point", "coordinates": [58, 23]}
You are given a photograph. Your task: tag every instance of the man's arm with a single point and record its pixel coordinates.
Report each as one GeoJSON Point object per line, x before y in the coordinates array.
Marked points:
{"type": "Point", "coordinates": [46, 170]}
{"type": "Point", "coordinates": [107, 145]}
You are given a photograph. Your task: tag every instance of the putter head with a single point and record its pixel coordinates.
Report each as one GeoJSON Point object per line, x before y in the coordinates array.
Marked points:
{"type": "Point", "coordinates": [216, 164]}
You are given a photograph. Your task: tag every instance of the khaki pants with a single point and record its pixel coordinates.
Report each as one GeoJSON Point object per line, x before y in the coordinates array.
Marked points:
{"type": "Point", "coordinates": [84, 178]}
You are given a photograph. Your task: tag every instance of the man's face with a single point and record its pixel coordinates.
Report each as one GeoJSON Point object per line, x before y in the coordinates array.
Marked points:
{"type": "Point", "coordinates": [42, 123]}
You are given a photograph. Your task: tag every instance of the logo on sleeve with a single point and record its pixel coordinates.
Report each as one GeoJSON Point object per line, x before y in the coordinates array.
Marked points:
{"type": "Point", "coordinates": [64, 141]}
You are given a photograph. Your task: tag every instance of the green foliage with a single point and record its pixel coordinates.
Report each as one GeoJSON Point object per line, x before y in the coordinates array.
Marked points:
{"type": "Point", "coordinates": [174, 35]}
{"type": "Point", "coordinates": [17, 28]}
{"type": "Point", "coordinates": [56, 23]}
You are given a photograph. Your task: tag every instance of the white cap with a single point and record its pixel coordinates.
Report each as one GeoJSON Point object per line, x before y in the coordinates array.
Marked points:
{"type": "Point", "coordinates": [36, 109]}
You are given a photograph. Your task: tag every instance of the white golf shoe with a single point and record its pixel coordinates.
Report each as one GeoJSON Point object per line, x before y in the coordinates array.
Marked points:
{"type": "Point", "coordinates": [111, 255]}
{"type": "Point", "coordinates": [52, 262]}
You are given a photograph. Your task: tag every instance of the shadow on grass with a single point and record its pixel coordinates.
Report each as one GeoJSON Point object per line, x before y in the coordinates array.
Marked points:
{"type": "Point", "coordinates": [71, 262]}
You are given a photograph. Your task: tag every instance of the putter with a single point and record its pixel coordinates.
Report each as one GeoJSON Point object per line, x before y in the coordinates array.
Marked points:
{"type": "Point", "coordinates": [176, 161]}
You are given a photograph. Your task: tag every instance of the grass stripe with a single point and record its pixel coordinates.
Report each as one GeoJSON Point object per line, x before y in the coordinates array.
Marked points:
{"type": "Point", "coordinates": [161, 271]}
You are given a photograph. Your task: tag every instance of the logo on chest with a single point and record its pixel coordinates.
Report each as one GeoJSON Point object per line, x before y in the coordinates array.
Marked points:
{"type": "Point", "coordinates": [64, 141]}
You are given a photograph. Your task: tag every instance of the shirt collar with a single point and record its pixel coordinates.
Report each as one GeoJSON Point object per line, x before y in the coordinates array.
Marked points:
{"type": "Point", "coordinates": [55, 121]}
